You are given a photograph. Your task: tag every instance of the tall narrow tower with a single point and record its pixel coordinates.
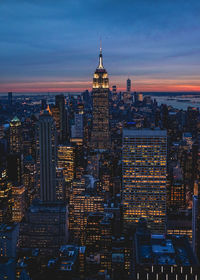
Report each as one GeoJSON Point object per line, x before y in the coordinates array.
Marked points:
{"type": "Point", "coordinates": [15, 158]}
{"type": "Point", "coordinates": [15, 135]}
{"type": "Point", "coordinates": [100, 138]}
{"type": "Point", "coordinates": [47, 157]}
{"type": "Point", "coordinates": [60, 103]}
{"type": "Point", "coordinates": [128, 85]}
{"type": "Point", "coordinates": [196, 220]}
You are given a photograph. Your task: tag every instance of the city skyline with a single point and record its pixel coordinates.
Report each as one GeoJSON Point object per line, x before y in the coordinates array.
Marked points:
{"type": "Point", "coordinates": [53, 47]}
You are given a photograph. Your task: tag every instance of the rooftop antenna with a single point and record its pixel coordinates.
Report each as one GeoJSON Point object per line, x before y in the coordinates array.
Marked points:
{"type": "Point", "coordinates": [100, 56]}
{"type": "Point", "coordinates": [100, 45]}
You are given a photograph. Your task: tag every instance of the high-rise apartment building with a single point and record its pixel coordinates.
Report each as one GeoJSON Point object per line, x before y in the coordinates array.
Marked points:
{"type": "Point", "coordinates": [47, 157]}
{"type": "Point", "coordinates": [100, 137]}
{"type": "Point", "coordinates": [144, 155]}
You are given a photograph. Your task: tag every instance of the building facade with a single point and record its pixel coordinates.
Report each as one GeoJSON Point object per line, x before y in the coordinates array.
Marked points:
{"type": "Point", "coordinates": [47, 157]}
{"type": "Point", "coordinates": [144, 173]}
{"type": "Point", "coordinates": [15, 135]}
{"type": "Point", "coordinates": [100, 137]}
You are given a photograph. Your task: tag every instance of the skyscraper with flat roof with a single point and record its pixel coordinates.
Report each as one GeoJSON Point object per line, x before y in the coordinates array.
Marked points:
{"type": "Point", "coordinates": [60, 103]}
{"type": "Point", "coordinates": [196, 220]}
{"type": "Point", "coordinates": [128, 85]}
{"type": "Point", "coordinates": [66, 160]}
{"type": "Point", "coordinates": [47, 157]}
{"type": "Point", "coordinates": [45, 223]}
{"type": "Point", "coordinates": [10, 98]}
{"type": "Point", "coordinates": [144, 155]}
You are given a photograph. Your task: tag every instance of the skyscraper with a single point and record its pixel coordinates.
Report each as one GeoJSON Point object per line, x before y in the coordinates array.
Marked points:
{"type": "Point", "coordinates": [47, 157]}
{"type": "Point", "coordinates": [128, 85]}
{"type": "Point", "coordinates": [45, 223]}
{"type": "Point", "coordinates": [15, 168]}
{"type": "Point", "coordinates": [60, 103]}
{"type": "Point", "coordinates": [5, 198]}
{"type": "Point", "coordinates": [15, 135]}
{"type": "Point", "coordinates": [18, 203]}
{"type": "Point", "coordinates": [144, 177]}
{"type": "Point", "coordinates": [58, 112]}
{"type": "Point", "coordinates": [100, 138]}
{"type": "Point", "coordinates": [10, 98]}
{"type": "Point", "coordinates": [77, 128]}
{"type": "Point", "coordinates": [15, 158]}
{"type": "Point", "coordinates": [196, 220]}
{"type": "Point", "coordinates": [66, 160]}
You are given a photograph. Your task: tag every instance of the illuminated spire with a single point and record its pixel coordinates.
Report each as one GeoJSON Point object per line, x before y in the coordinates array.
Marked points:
{"type": "Point", "coordinates": [48, 110]}
{"type": "Point", "coordinates": [100, 58]}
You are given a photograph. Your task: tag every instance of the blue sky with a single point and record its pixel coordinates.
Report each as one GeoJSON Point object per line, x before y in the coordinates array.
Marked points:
{"type": "Point", "coordinates": [53, 44]}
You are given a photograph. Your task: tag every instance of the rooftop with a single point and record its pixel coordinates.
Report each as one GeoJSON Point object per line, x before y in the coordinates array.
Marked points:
{"type": "Point", "coordinates": [55, 207]}
{"type": "Point", "coordinates": [164, 250]}
{"type": "Point", "coordinates": [144, 132]}
{"type": "Point", "coordinates": [15, 119]}
{"type": "Point", "coordinates": [7, 227]}
{"type": "Point", "coordinates": [69, 256]}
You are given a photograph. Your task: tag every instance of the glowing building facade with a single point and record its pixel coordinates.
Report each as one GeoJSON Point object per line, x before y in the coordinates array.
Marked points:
{"type": "Point", "coordinates": [15, 135]}
{"type": "Point", "coordinates": [196, 220]}
{"type": "Point", "coordinates": [5, 198]}
{"type": "Point", "coordinates": [60, 103]}
{"type": "Point", "coordinates": [18, 203]}
{"type": "Point", "coordinates": [58, 112]}
{"type": "Point", "coordinates": [84, 199]}
{"type": "Point", "coordinates": [44, 227]}
{"type": "Point", "coordinates": [144, 177]}
{"type": "Point", "coordinates": [66, 160]}
{"type": "Point", "coordinates": [100, 137]}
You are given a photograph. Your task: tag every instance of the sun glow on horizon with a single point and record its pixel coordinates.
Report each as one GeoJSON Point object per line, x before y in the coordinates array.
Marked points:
{"type": "Point", "coordinates": [79, 86]}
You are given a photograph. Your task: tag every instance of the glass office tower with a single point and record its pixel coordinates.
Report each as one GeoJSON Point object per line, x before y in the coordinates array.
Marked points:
{"type": "Point", "coordinates": [144, 177]}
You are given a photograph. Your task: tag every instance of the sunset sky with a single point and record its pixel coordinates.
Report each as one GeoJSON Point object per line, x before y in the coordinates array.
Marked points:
{"type": "Point", "coordinates": [53, 45]}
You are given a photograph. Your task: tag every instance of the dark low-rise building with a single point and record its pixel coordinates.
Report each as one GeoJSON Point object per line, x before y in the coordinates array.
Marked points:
{"type": "Point", "coordinates": [168, 257]}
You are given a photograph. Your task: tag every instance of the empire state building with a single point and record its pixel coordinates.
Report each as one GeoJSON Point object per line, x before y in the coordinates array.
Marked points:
{"type": "Point", "coordinates": [100, 136]}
